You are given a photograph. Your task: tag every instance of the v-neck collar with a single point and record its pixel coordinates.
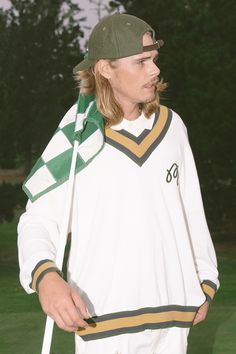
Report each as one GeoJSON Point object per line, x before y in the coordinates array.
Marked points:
{"type": "Point", "coordinates": [140, 148]}
{"type": "Point", "coordinates": [135, 126]}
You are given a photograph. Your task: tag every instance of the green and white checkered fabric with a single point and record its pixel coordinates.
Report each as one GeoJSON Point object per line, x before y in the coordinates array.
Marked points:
{"type": "Point", "coordinates": [82, 122]}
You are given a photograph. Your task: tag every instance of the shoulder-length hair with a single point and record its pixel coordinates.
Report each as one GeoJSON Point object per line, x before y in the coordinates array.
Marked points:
{"type": "Point", "coordinates": [92, 82]}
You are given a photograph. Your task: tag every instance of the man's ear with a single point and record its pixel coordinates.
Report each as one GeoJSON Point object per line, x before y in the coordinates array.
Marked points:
{"type": "Point", "coordinates": [104, 68]}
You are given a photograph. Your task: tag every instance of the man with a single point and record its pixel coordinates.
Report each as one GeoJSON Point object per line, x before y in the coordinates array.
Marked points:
{"type": "Point", "coordinates": [142, 266]}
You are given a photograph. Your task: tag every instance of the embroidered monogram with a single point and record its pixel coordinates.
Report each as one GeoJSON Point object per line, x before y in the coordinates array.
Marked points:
{"type": "Point", "coordinates": [173, 172]}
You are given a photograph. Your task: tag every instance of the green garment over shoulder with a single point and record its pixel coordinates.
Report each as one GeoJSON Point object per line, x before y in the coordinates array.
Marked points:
{"type": "Point", "coordinates": [83, 122]}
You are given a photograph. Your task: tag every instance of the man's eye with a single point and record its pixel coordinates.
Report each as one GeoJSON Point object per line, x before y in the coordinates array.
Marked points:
{"type": "Point", "coordinates": [141, 61]}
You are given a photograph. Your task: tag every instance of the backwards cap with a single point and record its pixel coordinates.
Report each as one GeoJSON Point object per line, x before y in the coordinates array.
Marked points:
{"type": "Point", "coordinates": [117, 36]}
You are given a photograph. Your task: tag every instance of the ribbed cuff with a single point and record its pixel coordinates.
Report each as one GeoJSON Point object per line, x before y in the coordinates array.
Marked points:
{"type": "Point", "coordinates": [43, 267]}
{"type": "Point", "coordinates": [209, 288]}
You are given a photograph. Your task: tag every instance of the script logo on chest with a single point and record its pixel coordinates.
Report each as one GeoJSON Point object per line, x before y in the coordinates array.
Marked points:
{"type": "Point", "coordinates": [173, 174]}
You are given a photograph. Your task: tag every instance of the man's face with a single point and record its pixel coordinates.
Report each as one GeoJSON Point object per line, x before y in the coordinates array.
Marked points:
{"type": "Point", "coordinates": [133, 78]}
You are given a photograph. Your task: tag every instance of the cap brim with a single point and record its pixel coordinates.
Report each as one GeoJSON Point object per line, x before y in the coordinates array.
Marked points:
{"type": "Point", "coordinates": [157, 45]}
{"type": "Point", "coordinates": [83, 65]}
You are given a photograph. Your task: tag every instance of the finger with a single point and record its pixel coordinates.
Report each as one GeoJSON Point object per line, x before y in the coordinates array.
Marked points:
{"type": "Point", "coordinates": [61, 321]}
{"type": "Point", "coordinates": [72, 316]}
{"type": "Point", "coordinates": [198, 318]}
{"type": "Point", "coordinates": [62, 325]}
{"type": "Point", "coordinates": [68, 318]}
{"type": "Point", "coordinates": [80, 305]}
{"type": "Point", "coordinates": [195, 322]}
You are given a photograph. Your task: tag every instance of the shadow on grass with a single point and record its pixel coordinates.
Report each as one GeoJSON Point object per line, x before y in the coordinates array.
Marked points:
{"type": "Point", "coordinates": [216, 335]}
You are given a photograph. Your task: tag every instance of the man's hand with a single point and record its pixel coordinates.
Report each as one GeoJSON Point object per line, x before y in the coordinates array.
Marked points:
{"type": "Point", "coordinates": [201, 313]}
{"type": "Point", "coordinates": [62, 303]}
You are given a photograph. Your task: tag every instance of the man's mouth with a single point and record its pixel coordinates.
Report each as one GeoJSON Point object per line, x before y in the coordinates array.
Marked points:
{"type": "Point", "coordinates": [151, 84]}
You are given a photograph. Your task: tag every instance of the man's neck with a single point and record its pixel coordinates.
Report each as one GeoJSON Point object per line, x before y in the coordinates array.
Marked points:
{"type": "Point", "coordinates": [131, 110]}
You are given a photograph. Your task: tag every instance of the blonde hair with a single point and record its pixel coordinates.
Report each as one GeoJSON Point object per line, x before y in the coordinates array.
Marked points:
{"type": "Point", "coordinates": [92, 82]}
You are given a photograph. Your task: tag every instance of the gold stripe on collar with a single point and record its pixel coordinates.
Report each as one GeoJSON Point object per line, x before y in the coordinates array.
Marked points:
{"type": "Point", "coordinates": [140, 149]}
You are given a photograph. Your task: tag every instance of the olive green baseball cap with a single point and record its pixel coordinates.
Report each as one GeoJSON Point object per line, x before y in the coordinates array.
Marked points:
{"type": "Point", "coordinates": [117, 36]}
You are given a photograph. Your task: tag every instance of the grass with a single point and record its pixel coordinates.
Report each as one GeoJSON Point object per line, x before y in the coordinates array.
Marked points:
{"type": "Point", "coordinates": [21, 319]}
{"type": "Point", "coordinates": [22, 322]}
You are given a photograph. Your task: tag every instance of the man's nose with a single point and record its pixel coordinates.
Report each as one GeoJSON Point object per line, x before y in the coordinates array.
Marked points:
{"type": "Point", "coordinates": [155, 71]}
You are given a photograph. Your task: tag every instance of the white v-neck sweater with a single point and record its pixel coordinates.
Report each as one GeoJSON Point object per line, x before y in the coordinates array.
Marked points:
{"type": "Point", "coordinates": [141, 254]}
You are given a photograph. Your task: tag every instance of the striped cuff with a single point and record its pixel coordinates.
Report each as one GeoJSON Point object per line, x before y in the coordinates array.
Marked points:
{"type": "Point", "coordinates": [209, 288]}
{"type": "Point", "coordinates": [43, 267]}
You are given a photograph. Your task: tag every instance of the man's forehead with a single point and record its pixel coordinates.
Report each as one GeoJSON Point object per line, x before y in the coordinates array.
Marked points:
{"type": "Point", "coordinates": [152, 53]}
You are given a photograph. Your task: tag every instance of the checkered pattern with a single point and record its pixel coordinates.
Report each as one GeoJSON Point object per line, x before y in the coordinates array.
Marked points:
{"type": "Point", "coordinates": [82, 122]}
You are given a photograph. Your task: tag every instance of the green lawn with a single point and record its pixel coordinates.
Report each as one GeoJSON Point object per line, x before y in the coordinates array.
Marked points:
{"type": "Point", "coordinates": [22, 322]}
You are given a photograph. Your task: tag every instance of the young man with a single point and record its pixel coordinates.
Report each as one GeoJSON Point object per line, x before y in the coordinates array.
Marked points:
{"type": "Point", "coordinates": [142, 266]}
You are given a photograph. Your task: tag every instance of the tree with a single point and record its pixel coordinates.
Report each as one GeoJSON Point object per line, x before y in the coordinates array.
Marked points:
{"type": "Point", "coordinates": [100, 7]}
{"type": "Point", "coordinates": [198, 61]}
{"type": "Point", "coordinates": [39, 48]}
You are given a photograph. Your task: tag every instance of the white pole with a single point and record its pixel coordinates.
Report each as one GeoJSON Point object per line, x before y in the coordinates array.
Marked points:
{"type": "Point", "coordinates": [47, 339]}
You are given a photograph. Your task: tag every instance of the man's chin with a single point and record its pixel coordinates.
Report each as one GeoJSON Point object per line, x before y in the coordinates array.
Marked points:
{"type": "Point", "coordinates": [148, 99]}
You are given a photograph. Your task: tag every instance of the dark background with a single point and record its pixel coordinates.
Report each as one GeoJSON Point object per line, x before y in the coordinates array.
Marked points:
{"type": "Point", "coordinates": [39, 46]}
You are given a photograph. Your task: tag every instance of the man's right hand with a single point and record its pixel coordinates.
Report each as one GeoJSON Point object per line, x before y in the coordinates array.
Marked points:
{"type": "Point", "coordinates": [62, 303]}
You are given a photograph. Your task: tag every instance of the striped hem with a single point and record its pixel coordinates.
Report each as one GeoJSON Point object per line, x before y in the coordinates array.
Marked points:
{"type": "Point", "coordinates": [209, 288]}
{"type": "Point", "coordinates": [43, 267]}
{"type": "Point", "coordinates": [137, 321]}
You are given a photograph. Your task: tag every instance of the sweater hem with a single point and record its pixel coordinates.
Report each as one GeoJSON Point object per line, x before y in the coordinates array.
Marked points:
{"type": "Point", "coordinates": [116, 323]}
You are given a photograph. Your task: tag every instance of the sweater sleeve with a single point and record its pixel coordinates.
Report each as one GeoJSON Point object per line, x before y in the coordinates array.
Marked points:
{"type": "Point", "coordinates": [39, 227]}
{"type": "Point", "coordinates": [38, 237]}
{"type": "Point", "coordinates": [200, 238]}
